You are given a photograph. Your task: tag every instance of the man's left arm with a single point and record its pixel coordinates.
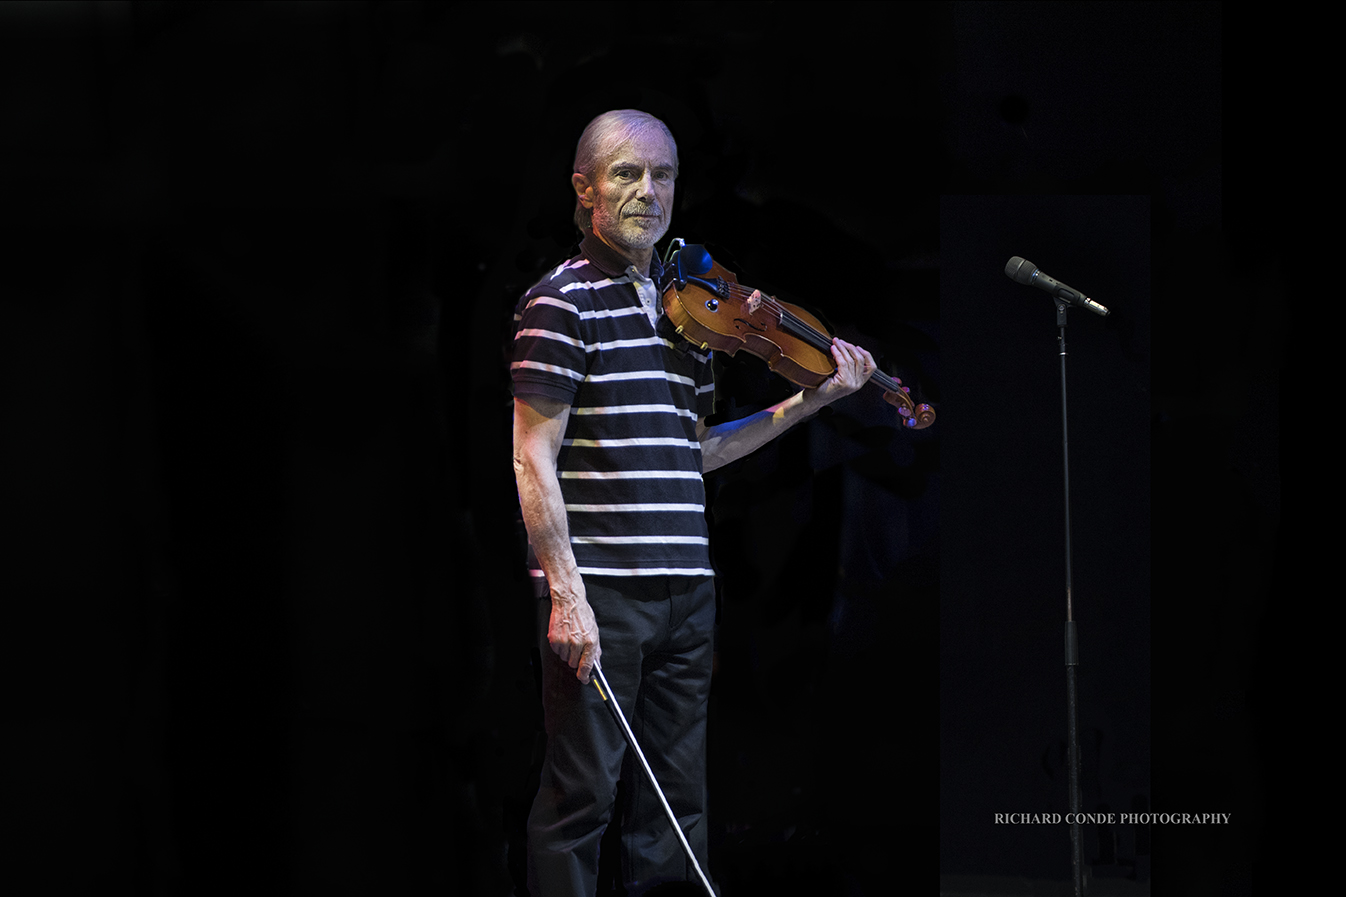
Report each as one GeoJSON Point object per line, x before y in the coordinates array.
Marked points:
{"type": "Point", "coordinates": [732, 440]}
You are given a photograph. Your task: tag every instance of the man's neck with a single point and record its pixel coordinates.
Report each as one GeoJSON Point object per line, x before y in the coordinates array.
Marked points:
{"type": "Point", "coordinates": [638, 257]}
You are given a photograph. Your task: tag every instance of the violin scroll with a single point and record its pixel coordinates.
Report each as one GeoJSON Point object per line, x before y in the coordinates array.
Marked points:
{"type": "Point", "coordinates": [914, 417]}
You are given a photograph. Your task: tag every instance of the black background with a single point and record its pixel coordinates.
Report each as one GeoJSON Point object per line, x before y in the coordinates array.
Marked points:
{"type": "Point", "coordinates": [267, 629]}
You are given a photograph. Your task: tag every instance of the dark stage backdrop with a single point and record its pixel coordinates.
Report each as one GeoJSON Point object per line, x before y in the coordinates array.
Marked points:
{"type": "Point", "coordinates": [266, 625]}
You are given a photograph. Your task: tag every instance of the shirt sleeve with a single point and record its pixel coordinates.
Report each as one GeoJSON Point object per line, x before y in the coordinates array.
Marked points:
{"type": "Point", "coordinates": [549, 356]}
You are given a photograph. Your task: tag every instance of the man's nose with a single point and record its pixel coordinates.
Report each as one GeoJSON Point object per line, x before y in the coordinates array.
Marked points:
{"type": "Point", "coordinates": [646, 184]}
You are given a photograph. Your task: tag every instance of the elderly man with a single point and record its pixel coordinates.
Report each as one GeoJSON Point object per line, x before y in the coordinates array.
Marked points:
{"type": "Point", "coordinates": [610, 444]}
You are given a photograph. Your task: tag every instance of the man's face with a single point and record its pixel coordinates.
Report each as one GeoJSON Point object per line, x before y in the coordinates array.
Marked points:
{"type": "Point", "coordinates": [633, 193]}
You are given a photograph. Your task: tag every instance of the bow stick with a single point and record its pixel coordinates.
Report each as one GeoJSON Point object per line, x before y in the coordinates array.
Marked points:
{"type": "Point", "coordinates": [605, 692]}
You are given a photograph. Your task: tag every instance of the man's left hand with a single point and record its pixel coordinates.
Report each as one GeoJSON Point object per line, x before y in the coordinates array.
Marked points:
{"type": "Point", "coordinates": [854, 368]}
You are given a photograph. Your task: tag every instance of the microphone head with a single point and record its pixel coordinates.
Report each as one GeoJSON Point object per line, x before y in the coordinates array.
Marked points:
{"type": "Point", "coordinates": [695, 260]}
{"type": "Point", "coordinates": [1020, 270]}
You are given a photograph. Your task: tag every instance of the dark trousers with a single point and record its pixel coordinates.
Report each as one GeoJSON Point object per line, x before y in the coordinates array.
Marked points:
{"type": "Point", "coordinates": [657, 637]}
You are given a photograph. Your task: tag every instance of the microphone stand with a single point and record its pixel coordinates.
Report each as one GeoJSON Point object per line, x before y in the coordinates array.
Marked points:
{"type": "Point", "coordinates": [1072, 642]}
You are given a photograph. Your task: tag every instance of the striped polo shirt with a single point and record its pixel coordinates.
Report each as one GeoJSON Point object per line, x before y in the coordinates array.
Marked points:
{"type": "Point", "coordinates": [630, 463]}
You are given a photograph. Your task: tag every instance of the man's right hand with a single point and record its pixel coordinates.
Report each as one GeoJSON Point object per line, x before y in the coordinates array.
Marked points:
{"type": "Point", "coordinates": [573, 634]}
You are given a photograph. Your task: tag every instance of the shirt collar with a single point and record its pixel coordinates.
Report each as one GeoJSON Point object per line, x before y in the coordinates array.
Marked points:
{"type": "Point", "coordinates": [610, 262]}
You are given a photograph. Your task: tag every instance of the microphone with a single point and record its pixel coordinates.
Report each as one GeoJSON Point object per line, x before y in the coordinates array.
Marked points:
{"type": "Point", "coordinates": [690, 262]}
{"type": "Point", "coordinates": [1025, 272]}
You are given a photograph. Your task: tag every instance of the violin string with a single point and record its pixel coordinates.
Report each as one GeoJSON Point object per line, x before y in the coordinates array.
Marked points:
{"type": "Point", "coordinates": [804, 330]}
{"type": "Point", "coordinates": [810, 334]}
{"type": "Point", "coordinates": [773, 305]}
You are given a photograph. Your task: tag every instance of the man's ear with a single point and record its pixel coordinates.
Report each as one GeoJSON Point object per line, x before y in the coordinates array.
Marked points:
{"type": "Point", "coordinates": [583, 189]}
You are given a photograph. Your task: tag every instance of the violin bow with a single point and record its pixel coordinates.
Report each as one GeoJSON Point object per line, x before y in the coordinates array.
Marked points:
{"type": "Point", "coordinates": [605, 692]}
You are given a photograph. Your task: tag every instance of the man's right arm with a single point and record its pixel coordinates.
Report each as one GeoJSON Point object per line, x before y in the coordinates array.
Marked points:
{"type": "Point", "coordinates": [539, 425]}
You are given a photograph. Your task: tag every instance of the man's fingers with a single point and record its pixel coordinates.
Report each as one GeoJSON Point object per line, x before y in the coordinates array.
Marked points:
{"type": "Point", "coordinates": [588, 662]}
{"type": "Point", "coordinates": [854, 364]}
{"type": "Point", "coordinates": [857, 354]}
{"type": "Point", "coordinates": [572, 654]}
{"type": "Point", "coordinates": [579, 655]}
{"type": "Point", "coordinates": [842, 358]}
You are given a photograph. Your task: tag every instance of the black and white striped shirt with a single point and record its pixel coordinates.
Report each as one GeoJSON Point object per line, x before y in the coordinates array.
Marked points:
{"type": "Point", "coordinates": [630, 463]}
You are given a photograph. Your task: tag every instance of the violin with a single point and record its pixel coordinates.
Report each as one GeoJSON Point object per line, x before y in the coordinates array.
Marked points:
{"type": "Point", "coordinates": [709, 307]}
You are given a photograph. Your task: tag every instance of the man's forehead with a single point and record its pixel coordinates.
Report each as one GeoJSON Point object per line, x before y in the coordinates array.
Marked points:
{"type": "Point", "coordinates": [653, 148]}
